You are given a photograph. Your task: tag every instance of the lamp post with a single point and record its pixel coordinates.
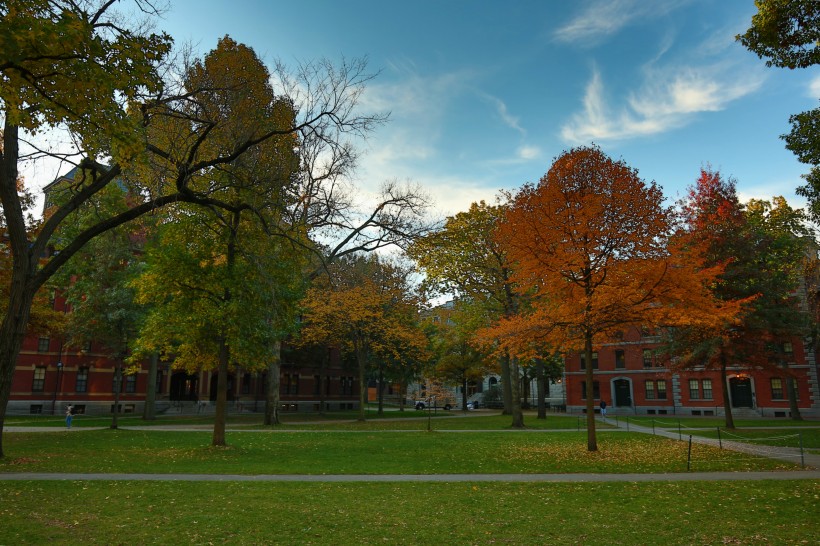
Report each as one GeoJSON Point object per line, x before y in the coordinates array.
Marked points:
{"type": "Point", "coordinates": [57, 387]}
{"type": "Point", "coordinates": [563, 394]}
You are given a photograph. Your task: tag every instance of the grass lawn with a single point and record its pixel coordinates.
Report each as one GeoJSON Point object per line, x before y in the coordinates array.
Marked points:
{"type": "Point", "coordinates": [143, 512]}
{"type": "Point", "coordinates": [671, 422]}
{"type": "Point", "coordinates": [451, 421]}
{"type": "Point", "coordinates": [758, 512]}
{"type": "Point", "coordinates": [363, 452]}
{"type": "Point", "coordinates": [392, 420]}
{"type": "Point", "coordinates": [809, 438]}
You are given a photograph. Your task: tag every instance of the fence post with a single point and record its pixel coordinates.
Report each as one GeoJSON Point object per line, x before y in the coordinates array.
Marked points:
{"type": "Point", "coordinates": [689, 455]}
{"type": "Point", "coordinates": [720, 442]}
{"type": "Point", "coordinates": [653, 427]}
{"type": "Point", "coordinates": [627, 423]}
{"type": "Point", "coordinates": [802, 459]}
{"type": "Point", "coordinates": [680, 437]}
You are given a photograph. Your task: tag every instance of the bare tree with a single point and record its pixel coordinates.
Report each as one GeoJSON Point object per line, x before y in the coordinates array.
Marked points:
{"type": "Point", "coordinates": [111, 88]}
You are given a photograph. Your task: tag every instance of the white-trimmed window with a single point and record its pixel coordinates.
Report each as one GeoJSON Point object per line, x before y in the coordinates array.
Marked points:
{"type": "Point", "coordinates": [39, 382]}
{"type": "Point", "coordinates": [694, 389]}
{"type": "Point", "coordinates": [82, 380]}
{"type": "Point", "coordinates": [707, 389]}
{"type": "Point", "coordinates": [649, 387]}
{"type": "Point", "coordinates": [777, 388]}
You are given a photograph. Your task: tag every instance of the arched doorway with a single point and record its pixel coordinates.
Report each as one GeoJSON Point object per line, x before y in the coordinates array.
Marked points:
{"type": "Point", "coordinates": [740, 389]}
{"type": "Point", "coordinates": [622, 390]}
{"type": "Point", "coordinates": [183, 386]}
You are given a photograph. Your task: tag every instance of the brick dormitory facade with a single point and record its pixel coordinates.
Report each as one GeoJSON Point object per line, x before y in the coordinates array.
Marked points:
{"type": "Point", "coordinates": [634, 378]}
{"type": "Point", "coordinates": [51, 375]}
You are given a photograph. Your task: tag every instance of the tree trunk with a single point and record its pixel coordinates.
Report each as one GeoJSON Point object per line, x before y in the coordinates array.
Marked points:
{"type": "Point", "coordinates": [149, 411]}
{"type": "Point", "coordinates": [361, 360]}
{"type": "Point", "coordinates": [220, 416]}
{"type": "Point", "coordinates": [791, 389]}
{"type": "Point", "coordinates": [12, 333]}
{"type": "Point", "coordinates": [506, 385]}
{"type": "Point", "coordinates": [464, 393]}
{"type": "Point", "coordinates": [592, 440]}
{"type": "Point", "coordinates": [381, 390]}
{"type": "Point", "coordinates": [515, 383]}
{"type": "Point", "coordinates": [727, 404]}
{"type": "Point", "coordinates": [541, 382]}
{"type": "Point", "coordinates": [21, 292]}
{"type": "Point", "coordinates": [272, 401]}
{"type": "Point", "coordinates": [324, 381]}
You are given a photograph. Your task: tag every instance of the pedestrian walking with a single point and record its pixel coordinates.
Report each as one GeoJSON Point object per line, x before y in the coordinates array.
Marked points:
{"type": "Point", "coordinates": [69, 415]}
{"type": "Point", "coordinates": [603, 409]}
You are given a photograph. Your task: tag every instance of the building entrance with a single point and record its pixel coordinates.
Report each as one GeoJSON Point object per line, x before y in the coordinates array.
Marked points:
{"type": "Point", "coordinates": [183, 386]}
{"type": "Point", "coordinates": [622, 393]}
{"type": "Point", "coordinates": [741, 390]}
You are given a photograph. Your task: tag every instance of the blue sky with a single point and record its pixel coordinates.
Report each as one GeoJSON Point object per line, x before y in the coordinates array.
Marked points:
{"type": "Point", "coordinates": [484, 95]}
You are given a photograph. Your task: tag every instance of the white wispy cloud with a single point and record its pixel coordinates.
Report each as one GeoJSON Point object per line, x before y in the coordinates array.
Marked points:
{"type": "Point", "coordinates": [602, 18]}
{"type": "Point", "coordinates": [524, 152]}
{"type": "Point", "coordinates": [814, 87]}
{"type": "Point", "coordinates": [771, 188]}
{"type": "Point", "coordinates": [418, 105]}
{"type": "Point", "coordinates": [529, 152]}
{"type": "Point", "coordinates": [508, 119]}
{"type": "Point", "coordinates": [668, 98]}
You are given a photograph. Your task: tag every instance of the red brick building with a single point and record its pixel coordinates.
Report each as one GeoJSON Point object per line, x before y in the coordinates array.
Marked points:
{"type": "Point", "coordinates": [50, 375]}
{"type": "Point", "coordinates": [632, 379]}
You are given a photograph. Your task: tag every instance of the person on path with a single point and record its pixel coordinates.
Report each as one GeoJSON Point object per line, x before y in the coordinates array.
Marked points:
{"type": "Point", "coordinates": [603, 409]}
{"type": "Point", "coordinates": [69, 415]}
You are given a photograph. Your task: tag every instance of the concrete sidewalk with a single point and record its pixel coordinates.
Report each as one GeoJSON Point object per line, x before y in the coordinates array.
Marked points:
{"type": "Point", "coordinates": [345, 478]}
{"type": "Point", "coordinates": [787, 454]}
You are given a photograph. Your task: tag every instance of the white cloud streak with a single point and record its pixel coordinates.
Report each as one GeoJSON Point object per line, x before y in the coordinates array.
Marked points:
{"type": "Point", "coordinates": [501, 109]}
{"type": "Point", "coordinates": [814, 88]}
{"type": "Point", "coordinates": [603, 18]}
{"type": "Point", "coordinates": [668, 99]}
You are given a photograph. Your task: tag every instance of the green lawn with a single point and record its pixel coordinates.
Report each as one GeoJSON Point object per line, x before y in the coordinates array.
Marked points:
{"type": "Point", "coordinates": [365, 452]}
{"type": "Point", "coordinates": [759, 512]}
{"type": "Point", "coordinates": [392, 420]}
{"type": "Point", "coordinates": [671, 422]}
{"type": "Point", "coordinates": [809, 438]}
{"type": "Point", "coordinates": [450, 421]}
{"type": "Point", "coordinates": [140, 512]}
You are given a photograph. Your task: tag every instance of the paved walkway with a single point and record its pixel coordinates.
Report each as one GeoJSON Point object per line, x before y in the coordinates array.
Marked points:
{"type": "Point", "coordinates": [787, 454]}
{"type": "Point", "coordinates": [342, 478]}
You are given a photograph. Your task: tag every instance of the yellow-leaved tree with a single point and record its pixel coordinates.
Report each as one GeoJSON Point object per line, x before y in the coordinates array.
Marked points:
{"type": "Point", "coordinates": [367, 307]}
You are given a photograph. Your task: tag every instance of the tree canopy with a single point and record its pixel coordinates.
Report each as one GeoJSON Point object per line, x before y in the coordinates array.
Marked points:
{"type": "Point", "coordinates": [760, 250]}
{"type": "Point", "coordinates": [785, 32]}
{"type": "Point", "coordinates": [74, 65]}
{"type": "Point", "coordinates": [367, 307]}
{"type": "Point", "coordinates": [466, 257]}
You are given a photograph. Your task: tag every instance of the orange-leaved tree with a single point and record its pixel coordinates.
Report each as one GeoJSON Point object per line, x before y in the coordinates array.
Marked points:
{"type": "Point", "coordinates": [589, 248]}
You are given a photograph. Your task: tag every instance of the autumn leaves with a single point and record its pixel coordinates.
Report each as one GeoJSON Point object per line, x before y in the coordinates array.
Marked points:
{"type": "Point", "coordinates": [591, 250]}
